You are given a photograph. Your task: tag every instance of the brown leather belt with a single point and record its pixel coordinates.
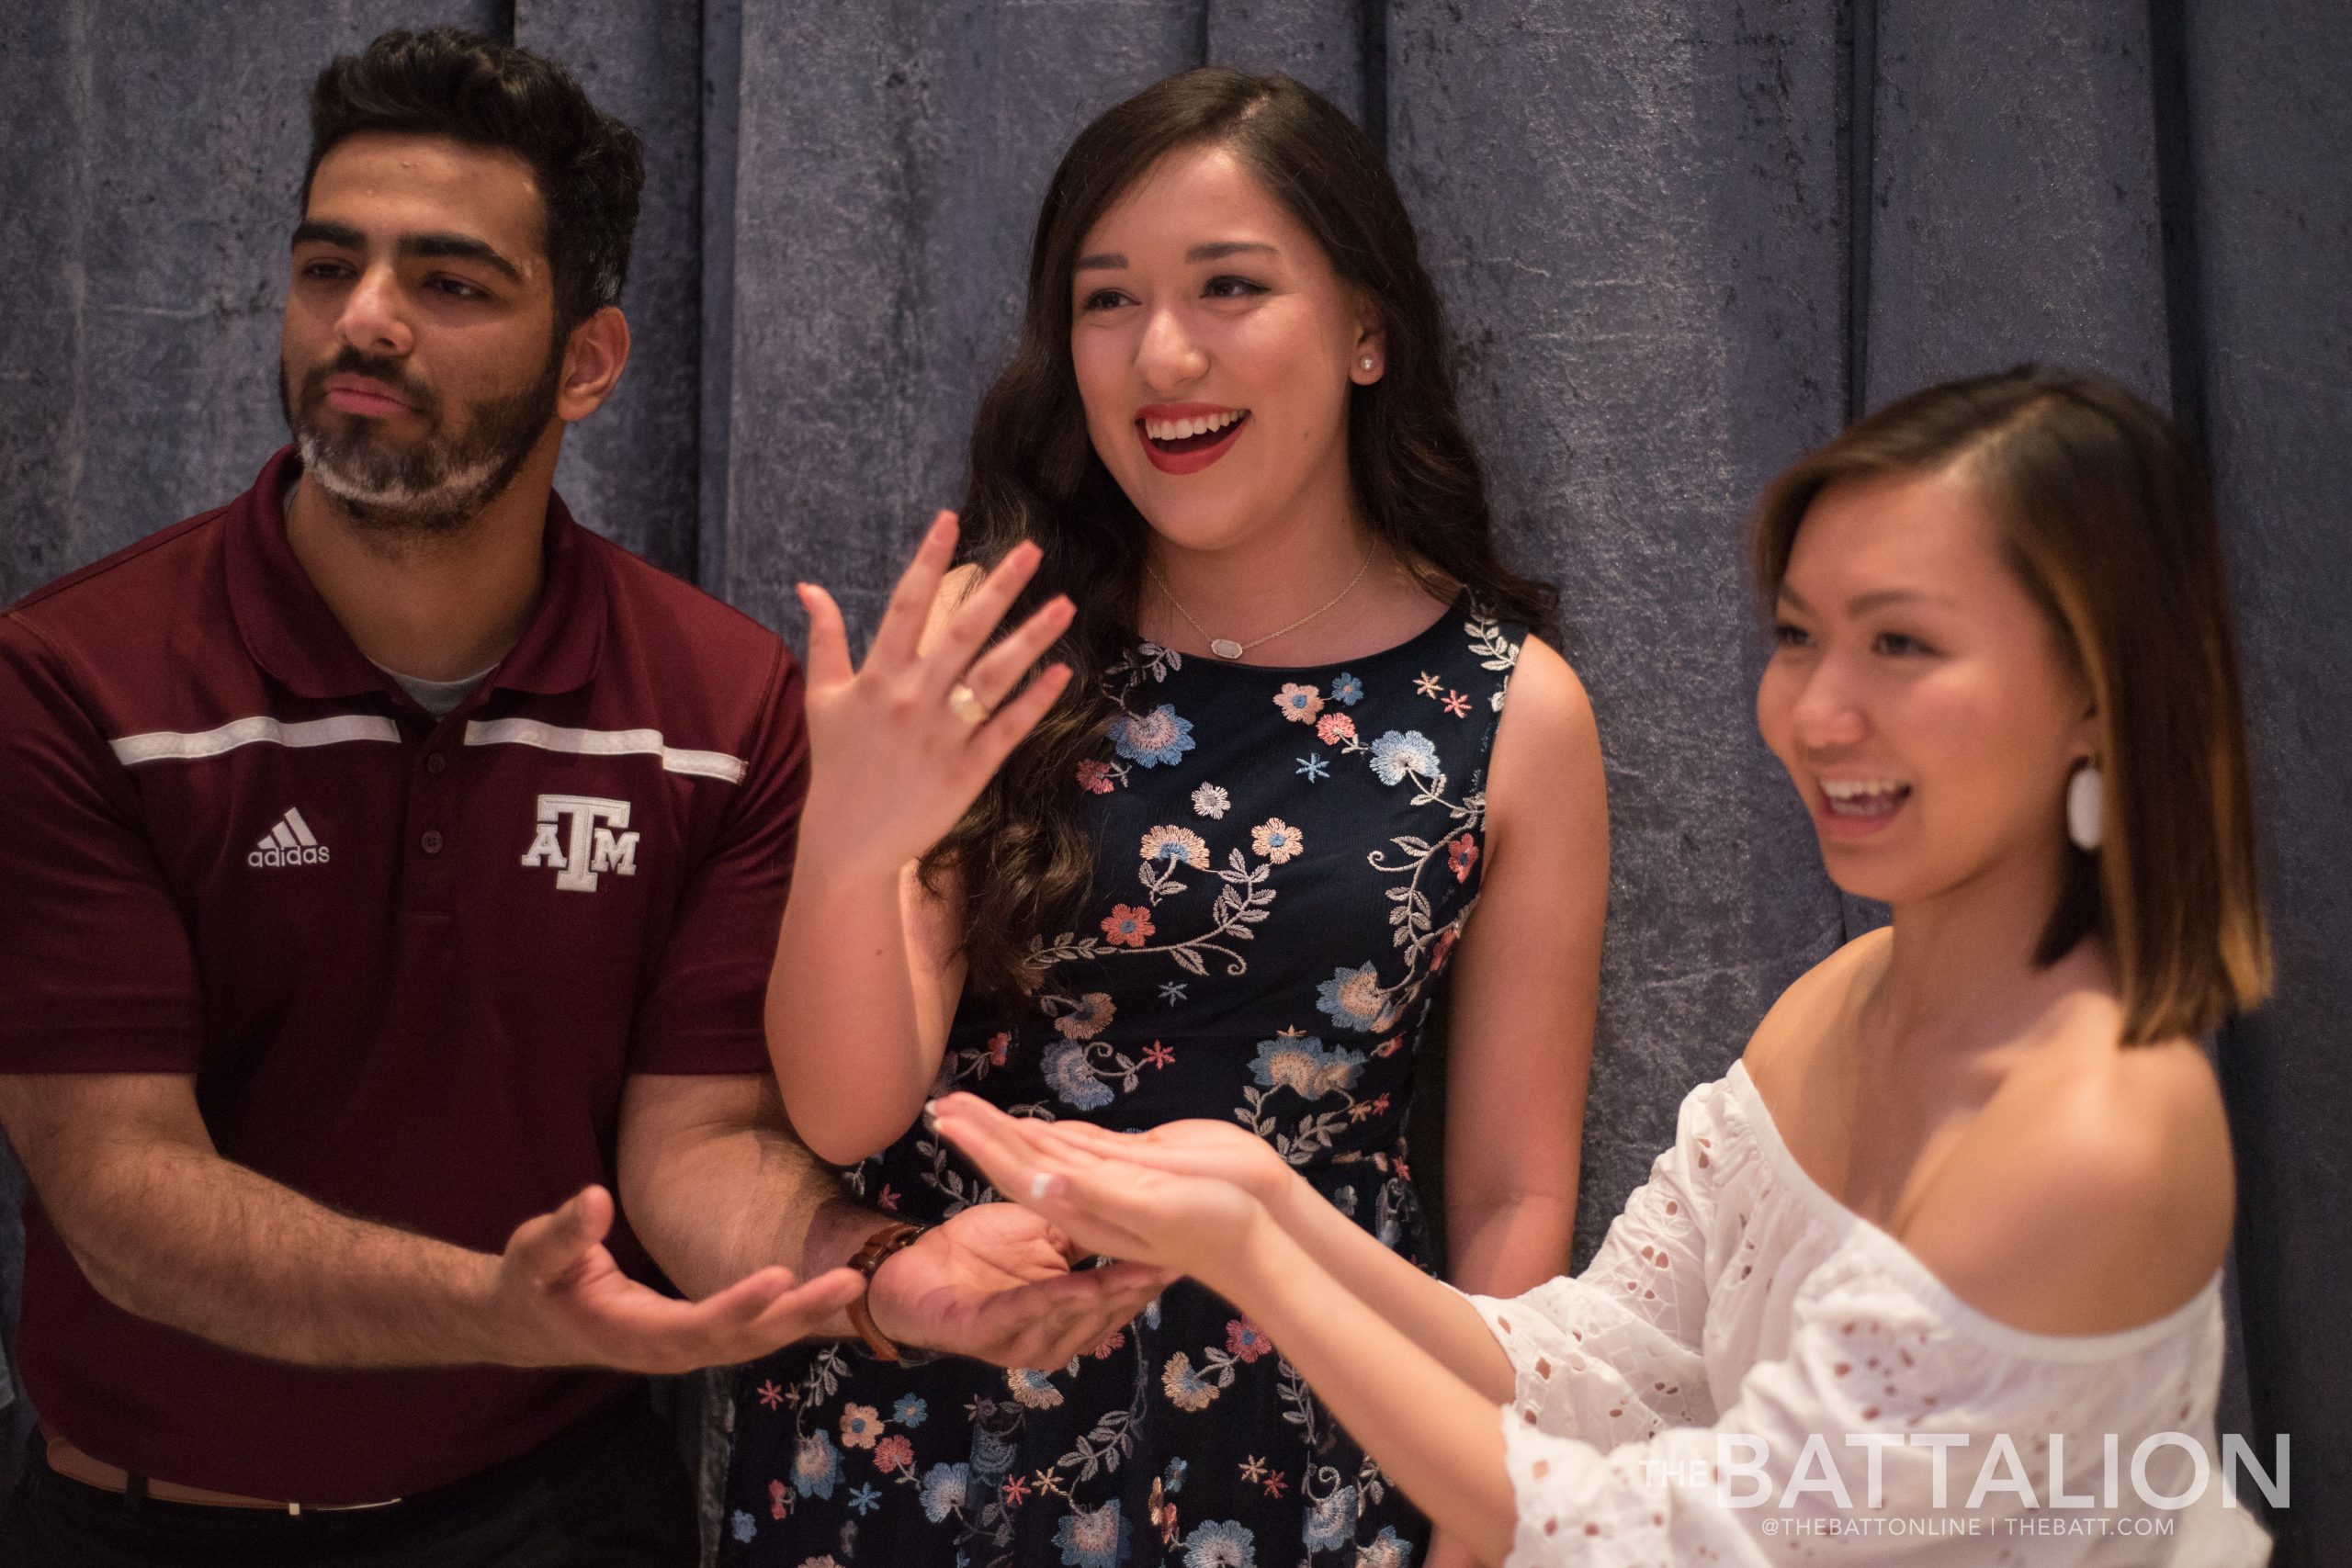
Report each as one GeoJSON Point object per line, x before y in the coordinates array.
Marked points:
{"type": "Point", "coordinates": [74, 1464]}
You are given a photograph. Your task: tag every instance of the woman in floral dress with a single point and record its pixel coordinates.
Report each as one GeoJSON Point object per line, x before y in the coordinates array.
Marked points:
{"type": "Point", "coordinates": [1218, 859]}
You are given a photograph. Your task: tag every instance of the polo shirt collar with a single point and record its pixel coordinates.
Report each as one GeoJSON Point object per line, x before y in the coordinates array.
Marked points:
{"type": "Point", "coordinates": [292, 634]}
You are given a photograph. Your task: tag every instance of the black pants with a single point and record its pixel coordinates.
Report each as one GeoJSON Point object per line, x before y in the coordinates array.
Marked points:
{"type": "Point", "coordinates": [609, 1493]}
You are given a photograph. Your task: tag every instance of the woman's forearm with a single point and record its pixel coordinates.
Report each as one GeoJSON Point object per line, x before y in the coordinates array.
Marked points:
{"type": "Point", "coordinates": [846, 1035]}
{"type": "Point", "coordinates": [1435, 1433]}
{"type": "Point", "coordinates": [1422, 1309]}
{"type": "Point", "coordinates": [1508, 1246]}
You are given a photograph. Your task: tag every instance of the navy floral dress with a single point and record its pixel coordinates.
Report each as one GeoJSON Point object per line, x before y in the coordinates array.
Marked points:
{"type": "Point", "coordinates": [1284, 860]}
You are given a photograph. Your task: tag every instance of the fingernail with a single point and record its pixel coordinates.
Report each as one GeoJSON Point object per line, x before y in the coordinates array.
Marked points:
{"type": "Point", "coordinates": [1043, 1185]}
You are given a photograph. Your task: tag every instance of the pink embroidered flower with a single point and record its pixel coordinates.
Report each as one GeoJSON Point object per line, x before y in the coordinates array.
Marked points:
{"type": "Point", "coordinates": [1016, 1492]}
{"type": "Point", "coordinates": [1128, 925]}
{"type": "Point", "coordinates": [779, 1499]}
{"type": "Point", "coordinates": [1460, 854]}
{"type": "Point", "coordinates": [1299, 704]}
{"type": "Point", "coordinates": [771, 1395]}
{"type": "Point", "coordinates": [1442, 949]}
{"type": "Point", "coordinates": [888, 1199]}
{"type": "Point", "coordinates": [999, 1044]}
{"type": "Point", "coordinates": [1159, 1056]}
{"type": "Point", "coordinates": [1245, 1341]}
{"type": "Point", "coordinates": [894, 1452]}
{"type": "Point", "coordinates": [1090, 1016]}
{"type": "Point", "coordinates": [1334, 727]}
{"type": "Point", "coordinates": [1456, 703]}
{"type": "Point", "coordinates": [1094, 776]}
{"type": "Point", "coordinates": [861, 1423]}
{"type": "Point", "coordinates": [1110, 1345]}
{"type": "Point", "coordinates": [1276, 839]}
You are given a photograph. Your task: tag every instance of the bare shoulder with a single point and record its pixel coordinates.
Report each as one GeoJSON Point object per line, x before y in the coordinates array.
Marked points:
{"type": "Point", "coordinates": [1546, 763]}
{"type": "Point", "coordinates": [2094, 1192]}
{"type": "Point", "coordinates": [1813, 1002]}
{"type": "Point", "coordinates": [952, 587]}
{"type": "Point", "coordinates": [1547, 710]}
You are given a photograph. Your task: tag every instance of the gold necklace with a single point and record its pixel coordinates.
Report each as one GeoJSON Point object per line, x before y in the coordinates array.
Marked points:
{"type": "Point", "coordinates": [1224, 646]}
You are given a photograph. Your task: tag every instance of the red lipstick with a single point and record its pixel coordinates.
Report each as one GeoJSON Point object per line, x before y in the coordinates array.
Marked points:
{"type": "Point", "coordinates": [1189, 454]}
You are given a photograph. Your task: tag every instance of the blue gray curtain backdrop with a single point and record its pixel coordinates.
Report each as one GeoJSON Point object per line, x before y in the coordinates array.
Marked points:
{"type": "Point", "coordinates": [1680, 241]}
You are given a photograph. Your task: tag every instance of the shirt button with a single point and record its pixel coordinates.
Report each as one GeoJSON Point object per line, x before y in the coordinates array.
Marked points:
{"type": "Point", "coordinates": [431, 842]}
{"type": "Point", "coordinates": [435, 763]}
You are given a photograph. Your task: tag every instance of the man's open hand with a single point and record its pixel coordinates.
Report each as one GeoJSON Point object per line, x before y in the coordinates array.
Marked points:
{"type": "Point", "coordinates": [561, 1301]}
{"type": "Point", "coordinates": [995, 1283]}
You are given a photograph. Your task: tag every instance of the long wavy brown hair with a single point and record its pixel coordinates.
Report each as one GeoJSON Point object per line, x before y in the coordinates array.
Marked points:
{"type": "Point", "coordinates": [1023, 850]}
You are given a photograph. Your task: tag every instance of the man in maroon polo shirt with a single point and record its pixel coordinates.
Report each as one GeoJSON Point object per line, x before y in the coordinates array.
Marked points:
{"type": "Point", "coordinates": [389, 871]}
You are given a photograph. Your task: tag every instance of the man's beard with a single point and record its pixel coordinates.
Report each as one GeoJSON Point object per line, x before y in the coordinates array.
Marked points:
{"type": "Point", "coordinates": [429, 490]}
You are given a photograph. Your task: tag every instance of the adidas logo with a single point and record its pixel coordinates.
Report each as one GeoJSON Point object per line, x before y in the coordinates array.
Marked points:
{"type": "Point", "coordinates": [288, 844]}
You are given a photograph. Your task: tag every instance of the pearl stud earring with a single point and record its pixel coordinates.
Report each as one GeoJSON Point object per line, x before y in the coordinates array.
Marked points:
{"type": "Point", "coordinates": [1367, 362]}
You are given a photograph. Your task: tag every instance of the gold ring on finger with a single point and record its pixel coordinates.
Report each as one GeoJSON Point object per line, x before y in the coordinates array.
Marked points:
{"type": "Point", "coordinates": [966, 705]}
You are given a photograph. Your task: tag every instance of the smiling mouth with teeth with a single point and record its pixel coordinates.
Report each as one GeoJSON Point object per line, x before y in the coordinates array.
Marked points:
{"type": "Point", "coordinates": [1177, 436]}
{"type": "Point", "coordinates": [1863, 797]}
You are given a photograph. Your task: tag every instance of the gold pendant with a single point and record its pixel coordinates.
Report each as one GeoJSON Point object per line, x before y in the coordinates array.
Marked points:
{"type": "Point", "coordinates": [1224, 648]}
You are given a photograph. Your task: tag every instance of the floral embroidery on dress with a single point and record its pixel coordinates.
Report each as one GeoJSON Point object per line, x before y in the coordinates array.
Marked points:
{"type": "Point", "coordinates": [1235, 965]}
{"type": "Point", "coordinates": [1298, 702]}
{"type": "Point", "coordinates": [1153, 739]}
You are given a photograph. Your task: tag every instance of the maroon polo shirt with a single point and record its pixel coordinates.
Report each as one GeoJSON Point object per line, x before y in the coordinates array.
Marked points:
{"type": "Point", "coordinates": [409, 962]}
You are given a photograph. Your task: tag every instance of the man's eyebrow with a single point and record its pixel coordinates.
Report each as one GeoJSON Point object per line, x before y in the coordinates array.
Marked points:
{"type": "Point", "coordinates": [459, 247]}
{"type": "Point", "coordinates": [312, 230]}
{"type": "Point", "coordinates": [445, 246]}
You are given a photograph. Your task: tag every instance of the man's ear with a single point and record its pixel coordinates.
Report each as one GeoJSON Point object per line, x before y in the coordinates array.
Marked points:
{"type": "Point", "coordinates": [592, 361]}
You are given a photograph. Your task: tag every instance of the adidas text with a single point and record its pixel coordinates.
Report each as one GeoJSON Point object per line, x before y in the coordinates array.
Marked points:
{"type": "Point", "coordinates": [288, 842]}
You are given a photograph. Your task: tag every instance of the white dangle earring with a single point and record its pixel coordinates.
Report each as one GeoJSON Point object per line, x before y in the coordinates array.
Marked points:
{"type": "Point", "coordinates": [2085, 808]}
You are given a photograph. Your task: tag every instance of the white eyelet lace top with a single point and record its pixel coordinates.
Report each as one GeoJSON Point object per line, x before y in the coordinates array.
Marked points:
{"type": "Point", "coordinates": [1736, 1299]}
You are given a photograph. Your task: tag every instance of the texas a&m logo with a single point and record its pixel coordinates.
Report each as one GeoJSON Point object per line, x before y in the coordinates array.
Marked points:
{"type": "Point", "coordinates": [580, 835]}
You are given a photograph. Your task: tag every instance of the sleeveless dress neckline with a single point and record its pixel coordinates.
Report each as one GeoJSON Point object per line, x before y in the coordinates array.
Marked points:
{"type": "Point", "coordinates": [1453, 610]}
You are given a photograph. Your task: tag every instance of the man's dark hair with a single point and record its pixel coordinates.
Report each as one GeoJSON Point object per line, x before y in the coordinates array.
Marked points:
{"type": "Point", "coordinates": [589, 166]}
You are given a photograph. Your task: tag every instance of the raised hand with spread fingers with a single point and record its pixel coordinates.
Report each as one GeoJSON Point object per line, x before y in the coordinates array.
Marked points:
{"type": "Point", "coordinates": [866, 978]}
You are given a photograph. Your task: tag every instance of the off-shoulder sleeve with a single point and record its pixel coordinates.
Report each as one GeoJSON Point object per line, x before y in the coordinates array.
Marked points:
{"type": "Point", "coordinates": [1883, 1398]}
{"type": "Point", "coordinates": [1616, 1354]}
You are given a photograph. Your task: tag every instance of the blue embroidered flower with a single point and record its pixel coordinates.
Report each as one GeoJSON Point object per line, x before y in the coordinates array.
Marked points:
{"type": "Point", "coordinates": [1388, 1549]}
{"type": "Point", "coordinates": [865, 1500]}
{"type": "Point", "coordinates": [1312, 767]}
{"type": "Point", "coordinates": [1064, 1068]}
{"type": "Point", "coordinates": [1173, 1478]}
{"type": "Point", "coordinates": [945, 1489]}
{"type": "Point", "coordinates": [1302, 1064]}
{"type": "Point", "coordinates": [1354, 998]}
{"type": "Point", "coordinates": [1151, 1313]}
{"type": "Point", "coordinates": [910, 1412]}
{"type": "Point", "coordinates": [1399, 752]}
{"type": "Point", "coordinates": [1172, 991]}
{"type": "Point", "coordinates": [1331, 1521]}
{"type": "Point", "coordinates": [1093, 1537]}
{"type": "Point", "coordinates": [740, 1524]}
{"type": "Point", "coordinates": [1221, 1543]}
{"type": "Point", "coordinates": [1151, 737]}
{"type": "Point", "coordinates": [816, 1465]}
{"type": "Point", "coordinates": [1347, 691]}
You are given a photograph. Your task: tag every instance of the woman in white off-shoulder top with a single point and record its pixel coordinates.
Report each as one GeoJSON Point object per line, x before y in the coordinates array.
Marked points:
{"type": "Point", "coordinates": [1931, 1276]}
